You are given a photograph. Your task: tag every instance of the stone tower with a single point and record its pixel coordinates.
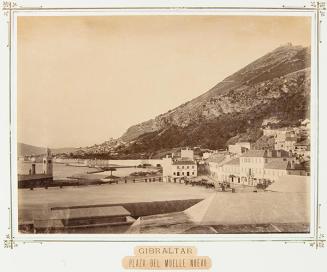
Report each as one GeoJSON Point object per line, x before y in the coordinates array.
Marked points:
{"type": "Point", "coordinates": [47, 163]}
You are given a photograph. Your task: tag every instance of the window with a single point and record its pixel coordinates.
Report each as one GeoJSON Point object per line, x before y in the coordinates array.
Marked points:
{"type": "Point", "coordinates": [183, 167]}
{"type": "Point", "coordinates": [187, 167]}
{"type": "Point", "coordinates": [174, 173]}
{"type": "Point", "coordinates": [182, 173]}
{"type": "Point", "coordinates": [193, 173]}
{"type": "Point", "coordinates": [177, 173]}
{"type": "Point", "coordinates": [177, 167]}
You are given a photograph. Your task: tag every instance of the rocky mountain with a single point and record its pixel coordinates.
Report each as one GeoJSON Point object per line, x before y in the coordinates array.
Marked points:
{"type": "Point", "coordinates": [276, 86]}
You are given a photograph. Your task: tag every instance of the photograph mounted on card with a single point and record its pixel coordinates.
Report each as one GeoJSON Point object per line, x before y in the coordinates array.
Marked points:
{"type": "Point", "coordinates": [171, 123]}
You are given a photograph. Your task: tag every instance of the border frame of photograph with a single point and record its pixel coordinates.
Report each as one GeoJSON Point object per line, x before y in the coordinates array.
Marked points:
{"type": "Point", "coordinates": [315, 11]}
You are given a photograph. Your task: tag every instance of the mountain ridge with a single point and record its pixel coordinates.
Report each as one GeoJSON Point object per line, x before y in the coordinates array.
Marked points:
{"type": "Point", "coordinates": [273, 87]}
{"type": "Point", "coordinates": [282, 61]}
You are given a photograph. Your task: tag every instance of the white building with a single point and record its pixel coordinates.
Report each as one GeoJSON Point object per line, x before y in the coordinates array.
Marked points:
{"type": "Point", "coordinates": [269, 132]}
{"type": "Point", "coordinates": [182, 169]}
{"type": "Point", "coordinates": [239, 148]}
{"type": "Point", "coordinates": [178, 169]}
{"type": "Point", "coordinates": [231, 171]}
{"type": "Point", "coordinates": [206, 155]}
{"type": "Point", "coordinates": [187, 154]}
{"type": "Point", "coordinates": [288, 144]}
{"type": "Point", "coordinates": [252, 165]}
{"type": "Point", "coordinates": [251, 168]}
{"type": "Point", "coordinates": [216, 162]}
{"type": "Point", "coordinates": [167, 163]}
{"type": "Point", "coordinates": [276, 169]}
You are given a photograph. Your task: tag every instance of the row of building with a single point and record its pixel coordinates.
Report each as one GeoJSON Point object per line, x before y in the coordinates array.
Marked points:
{"type": "Point", "coordinates": [292, 139]}
{"type": "Point", "coordinates": [255, 166]}
{"type": "Point", "coordinates": [240, 164]}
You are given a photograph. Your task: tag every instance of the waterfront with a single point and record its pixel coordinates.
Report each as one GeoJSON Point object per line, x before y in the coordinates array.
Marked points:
{"type": "Point", "coordinates": [62, 171]}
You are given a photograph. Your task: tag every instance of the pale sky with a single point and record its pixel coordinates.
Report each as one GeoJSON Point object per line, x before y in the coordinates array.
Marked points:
{"type": "Point", "coordinates": [82, 80]}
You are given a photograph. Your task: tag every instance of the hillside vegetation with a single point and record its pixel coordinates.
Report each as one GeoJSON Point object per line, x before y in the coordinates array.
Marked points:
{"type": "Point", "coordinates": [275, 86]}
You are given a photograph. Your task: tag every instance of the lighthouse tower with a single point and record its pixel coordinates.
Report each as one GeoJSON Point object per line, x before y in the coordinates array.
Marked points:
{"type": "Point", "coordinates": [47, 163]}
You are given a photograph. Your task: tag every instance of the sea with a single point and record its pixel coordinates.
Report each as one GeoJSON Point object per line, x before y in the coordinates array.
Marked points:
{"type": "Point", "coordinates": [64, 171]}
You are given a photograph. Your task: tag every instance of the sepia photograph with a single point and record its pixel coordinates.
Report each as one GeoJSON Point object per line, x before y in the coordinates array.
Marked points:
{"type": "Point", "coordinates": [164, 124]}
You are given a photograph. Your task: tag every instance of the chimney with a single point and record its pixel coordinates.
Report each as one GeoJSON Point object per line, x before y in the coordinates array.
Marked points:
{"type": "Point", "coordinates": [33, 169]}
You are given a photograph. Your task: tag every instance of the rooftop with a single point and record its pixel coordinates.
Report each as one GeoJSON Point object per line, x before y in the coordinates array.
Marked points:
{"type": "Point", "coordinates": [184, 162]}
{"type": "Point", "coordinates": [291, 139]}
{"type": "Point", "coordinates": [217, 158]}
{"type": "Point", "coordinates": [304, 142]}
{"type": "Point", "coordinates": [241, 211]}
{"type": "Point", "coordinates": [89, 212]}
{"type": "Point", "coordinates": [40, 199]}
{"type": "Point", "coordinates": [235, 161]}
{"type": "Point", "coordinates": [300, 166]}
{"type": "Point", "coordinates": [254, 153]}
{"type": "Point", "coordinates": [277, 164]}
{"type": "Point", "coordinates": [266, 153]}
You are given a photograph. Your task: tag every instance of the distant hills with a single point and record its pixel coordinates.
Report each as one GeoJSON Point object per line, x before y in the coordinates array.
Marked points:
{"type": "Point", "coordinates": [27, 150]}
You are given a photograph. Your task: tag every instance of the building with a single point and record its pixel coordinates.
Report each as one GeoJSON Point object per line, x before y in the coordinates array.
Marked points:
{"type": "Point", "coordinates": [231, 171]}
{"type": "Point", "coordinates": [187, 154]}
{"type": "Point", "coordinates": [299, 169]}
{"type": "Point", "coordinates": [275, 169]}
{"type": "Point", "coordinates": [215, 162]}
{"type": "Point", "coordinates": [167, 163]}
{"type": "Point", "coordinates": [206, 155]}
{"type": "Point", "coordinates": [288, 144]}
{"type": "Point", "coordinates": [251, 168]}
{"type": "Point", "coordinates": [259, 165]}
{"type": "Point", "coordinates": [33, 179]}
{"type": "Point", "coordinates": [282, 133]}
{"type": "Point", "coordinates": [269, 132]}
{"type": "Point", "coordinates": [302, 148]}
{"type": "Point", "coordinates": [252, 165]}
{"type": "Point", "coordinates": [177, 169]}
{"type": "Point", "coordinates": [183, 168]}
{"type": "Point", "coordinates": [239, 148]}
